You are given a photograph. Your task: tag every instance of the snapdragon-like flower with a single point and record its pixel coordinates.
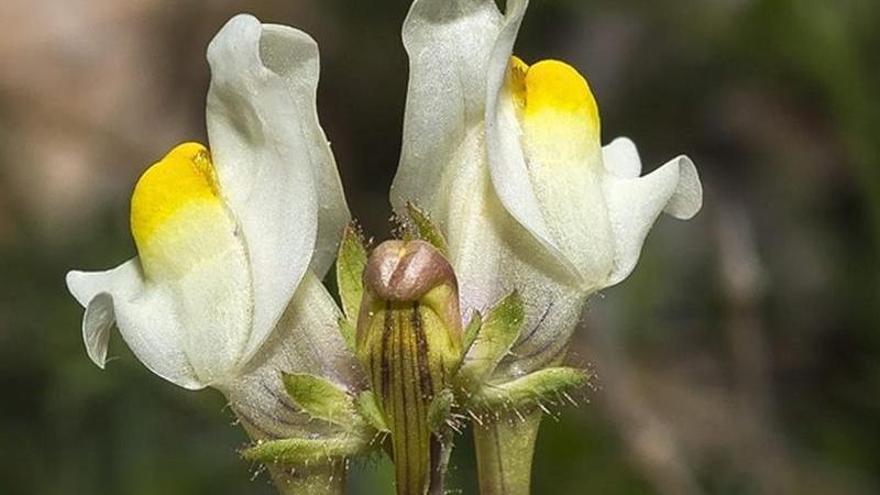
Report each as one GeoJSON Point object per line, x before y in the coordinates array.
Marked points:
{"type": "Point", "coordinates": [232, 241]}
{"type": "Point", "coordinates": [508, 160]}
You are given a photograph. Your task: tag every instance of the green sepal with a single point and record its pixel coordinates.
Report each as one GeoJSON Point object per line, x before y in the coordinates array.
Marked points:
{"type": "Point", "coordinates": [439, 410]}
{"type": "Point", "coordinates": [471, 332]}
{"type": "Point", "coordinates": [298, 451]}
{"type": "Point", "coordinates": [497, 334]}
{"type": "Point", "coordinates": [350, 271]}
{"type": "Point", "coordinates": [369, 410]}
{"type": "Point", "coordinates": [349, 332]}
{"type": "Point", "coordinates": [535, 389]}
{"type": "Point", "coordinates": [322, 399]}
{"type": "Point", "coordinates": [426, 230]}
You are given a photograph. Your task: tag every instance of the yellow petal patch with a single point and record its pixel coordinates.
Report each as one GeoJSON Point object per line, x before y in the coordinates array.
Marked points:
{"type": "Point", "coordinates": [177, 216]}
{"type": "Point", "coordinates": [560, 139]}
{"type": "Point", "coordinates": [557, 109]}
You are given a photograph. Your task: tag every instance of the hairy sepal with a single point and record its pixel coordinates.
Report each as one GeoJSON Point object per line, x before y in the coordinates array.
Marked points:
{"type": "Point", "coordinates": [302, 451]}
{"type": "Point", "coordinates": [545, 386]}
{"type": "Point", "coordinates": [425, 229]}
{"type": "Point", "coordinates": [349, 278]}
{"type": "Point", "coordinates": [496, 335]}
{"type": "Point", "coordinates": [322, 399]}
{"type": "Point", "coordinates": [369, 410]}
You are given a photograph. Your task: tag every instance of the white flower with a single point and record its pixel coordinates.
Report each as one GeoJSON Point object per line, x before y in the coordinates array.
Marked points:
{"type": "Point", "coordinates": [508, 160]}
{"type": "Point", "coordinates": [226, 238]}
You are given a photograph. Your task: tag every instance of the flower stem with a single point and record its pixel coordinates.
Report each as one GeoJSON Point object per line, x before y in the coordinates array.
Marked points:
{"type": "Point", "coordinates": [325, 479]}
{"type": "Point", "coordinates": [505, 447]}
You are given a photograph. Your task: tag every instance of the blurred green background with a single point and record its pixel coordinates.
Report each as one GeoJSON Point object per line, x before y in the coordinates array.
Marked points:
{"type": "Point", "coordinates": [740, 358]}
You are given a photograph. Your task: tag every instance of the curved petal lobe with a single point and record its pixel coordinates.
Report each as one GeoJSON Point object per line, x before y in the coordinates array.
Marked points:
{"type": "Point", "coordinates": [97, 322]}
{"type": "Point", "coordinates": [146, 320]}
{"type": "Point", "coordinates": [621, 158]}
{"type": "Point", "coordinates": [635, 204]}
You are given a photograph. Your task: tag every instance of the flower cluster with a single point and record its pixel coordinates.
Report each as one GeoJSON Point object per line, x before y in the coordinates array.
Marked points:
{"type": "Point", "coordinates": [515, 214]}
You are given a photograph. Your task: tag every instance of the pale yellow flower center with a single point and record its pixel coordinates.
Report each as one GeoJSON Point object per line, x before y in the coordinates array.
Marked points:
{"type": "Point", "coordinates": [177, 216]}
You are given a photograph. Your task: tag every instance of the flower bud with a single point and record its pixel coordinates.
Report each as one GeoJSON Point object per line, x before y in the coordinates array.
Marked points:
{"type": "Point", "coordinates": [409, 341]}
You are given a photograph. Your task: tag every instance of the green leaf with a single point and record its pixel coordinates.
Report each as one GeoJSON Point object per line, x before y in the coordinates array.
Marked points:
{"type": "Point", "coordinates": [534, 389]}
{"type": "Point", "coordinates": [426, 229]}
{"type": "Point", "coordinates": [322, 399]}
{"type": "Point", "coordinates": [350, 271]}
{"type": "Point", "coordinates": [299, 451]}
{"type": "Point", "coordinates": [497, 334]}
{"type": "Point", "coordinates": [369, 410]}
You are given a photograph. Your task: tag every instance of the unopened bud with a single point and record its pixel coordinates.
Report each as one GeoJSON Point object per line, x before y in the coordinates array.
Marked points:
{"type": "Point", "coordinates": [405, 271]}
{"type": "Point", "coordinates": [409, 341]}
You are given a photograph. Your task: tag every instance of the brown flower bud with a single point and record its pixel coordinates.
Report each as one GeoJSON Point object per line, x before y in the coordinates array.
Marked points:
{"type": "Point", "coordinates": [405, 271]}
{"type": "Point", "coordinates": [409, 341]}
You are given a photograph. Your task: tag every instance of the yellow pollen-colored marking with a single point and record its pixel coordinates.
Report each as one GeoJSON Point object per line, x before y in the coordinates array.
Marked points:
{"type": "Point", "coordinates": [185, 176]}
{"type": "Point", "coordinates": [552, 90]}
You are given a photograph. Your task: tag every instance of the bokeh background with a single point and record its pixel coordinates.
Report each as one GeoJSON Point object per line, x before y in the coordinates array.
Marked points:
{"type": "Point", "coordinates": [740, 358]}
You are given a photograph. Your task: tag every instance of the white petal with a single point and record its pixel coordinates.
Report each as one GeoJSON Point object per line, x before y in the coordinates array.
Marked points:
{"type": "Point", "coordinates": [145, 319]}
{"type": "Point", "coordinates": [494, 255]}
{"type": "Point", "coordinates": [510, 175]}
{"type": "Point", "coordinates": [621, 158]}
{"type": "Point", "coordinates": [263, 139]}
{"type": "Point", "coordinates": [635, 204]}
{"type": "Point", "coordinates": [98, 320]}
{"type": "Point", "coordinates": [305, 341]}
{"type": "Point", "coordinates": [213, 304]}
{"type": "Point", "coordinates": [688, 198]}
{"type": "Point", "coordinates": [293, 55]}
{"type": "Point", "coordinates": [448, 42]}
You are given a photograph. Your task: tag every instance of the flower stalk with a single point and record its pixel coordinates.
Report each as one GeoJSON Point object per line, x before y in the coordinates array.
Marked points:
{"type": "Point", "coordinates": [505, 449]}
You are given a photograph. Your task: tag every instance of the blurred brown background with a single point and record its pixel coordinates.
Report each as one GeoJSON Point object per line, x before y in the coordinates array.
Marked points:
{"type": "Point", "coordinates": [740, 358]}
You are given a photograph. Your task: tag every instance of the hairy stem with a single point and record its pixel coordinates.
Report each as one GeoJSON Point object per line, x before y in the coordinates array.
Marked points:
{"type": "Point", "coordinates": [505, 447]}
